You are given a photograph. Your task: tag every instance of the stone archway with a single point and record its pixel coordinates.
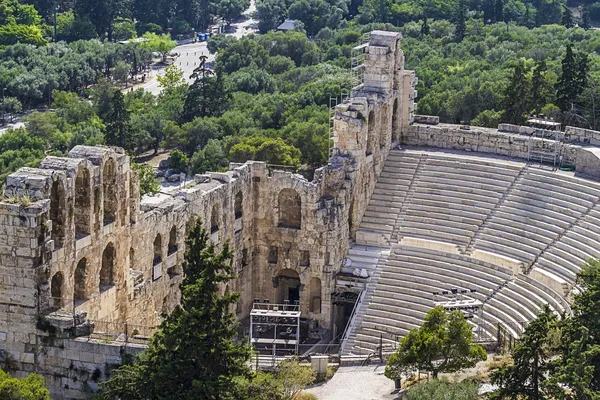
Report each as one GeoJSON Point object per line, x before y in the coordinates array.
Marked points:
{"type": "Point", "coordinates": [107, 279]}
{"type": "Point", "coordinates": [395, 121]}
{"type": "Point", "coordinates": [370, 134]}
{"type": "Point", "coordinates": [109, 180]}
{"type": "Point", "coordinates": [80, 292]}
{"type": "Point", "coordinates": [57, 213]}
{"type": "Point", "coordinates": [56, 290]}
{"type": "Point", "coordinates": [287, 284]}
{"type": "Point", "coordinates": [83, 201]}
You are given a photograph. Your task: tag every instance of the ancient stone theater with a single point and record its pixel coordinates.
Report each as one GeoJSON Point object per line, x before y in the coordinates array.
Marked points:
{"type": "Point", "coordinates": [408, 213]}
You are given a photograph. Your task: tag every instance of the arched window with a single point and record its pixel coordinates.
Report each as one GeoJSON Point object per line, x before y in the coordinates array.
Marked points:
{"type": "Point", "coordinates": [395, 122]}
{"type": "Point", "coordinates": [371, 134]}
{"type": "Point", "coordinates": [315, 295]}
{"type": "Point", "coordinates": [107, 279]}
{"type": "Point", "coordinates": [57, 213]}
{"type": "Point", "coordinates": [290, 209]}
{"type": "Point", "coordinates": [157, 250]}
{"type": "Point", "coordinates": [172, 241]}
{"type": "Point", "coordinates": [385, 127]}
{"type": "Point", "coordinates": [80, 280]}
{"type": "Point", "coordinates": [83, 195]}
{"type": "Point", "coordinates": [131, 258]}
{"type": "Point", "coordinates": [109, 180]}
{"type": "Point", "coordinates": [238, 205]}
{"type": "Point", "coordinates": [214, 219]}
{"type": "Point", "coordinates": [56, 290]}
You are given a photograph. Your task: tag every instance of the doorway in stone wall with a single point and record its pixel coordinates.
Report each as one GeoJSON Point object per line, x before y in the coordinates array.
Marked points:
{"type": "Point", "coordinates": [287, 284]}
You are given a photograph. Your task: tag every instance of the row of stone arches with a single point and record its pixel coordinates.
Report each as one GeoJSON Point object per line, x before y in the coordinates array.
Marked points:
{"type": "Point", "coordinates": [384, 128]}
{"type": "Point", "coordinates": [82, 213]}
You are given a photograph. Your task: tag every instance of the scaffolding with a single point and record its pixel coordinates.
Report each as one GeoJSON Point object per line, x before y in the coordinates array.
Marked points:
{"type": "Point", "coordinates": [544, 146]}
{"type": "Point", "coordinates": [275, 329]}
{"type": "Point", "coordinates": [357, 62]}
{"type": "Point", "coordinates": [333, 102]}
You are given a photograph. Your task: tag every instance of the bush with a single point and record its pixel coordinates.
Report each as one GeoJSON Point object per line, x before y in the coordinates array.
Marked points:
{"type": "Point", "coordinates": [178, 161]}
{"type": "Point", "coordinates": [442, 389]}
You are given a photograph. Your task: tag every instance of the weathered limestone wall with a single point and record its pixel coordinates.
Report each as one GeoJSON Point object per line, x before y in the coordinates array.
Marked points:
{"type": "Point", "coordinates": [87, 256]}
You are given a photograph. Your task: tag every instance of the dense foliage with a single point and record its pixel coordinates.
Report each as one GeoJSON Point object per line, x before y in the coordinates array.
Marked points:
{"type": "Point", "coordinates": [559, 359]}
{"type": "Point", "coordinates": [29, 388]}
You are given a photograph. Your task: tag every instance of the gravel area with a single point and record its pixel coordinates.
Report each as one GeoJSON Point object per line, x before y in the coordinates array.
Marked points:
{"type": "Point", "coordinates": [356, 383]}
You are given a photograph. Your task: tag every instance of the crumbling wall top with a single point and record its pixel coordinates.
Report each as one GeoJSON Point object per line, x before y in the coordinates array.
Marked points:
{"type": "Point", "coordinates": [97, 154]}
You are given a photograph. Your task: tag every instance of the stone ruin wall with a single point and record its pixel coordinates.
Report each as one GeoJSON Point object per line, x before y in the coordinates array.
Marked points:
{"type": "Point", "coordinates": [508, 140]}
{"type": "Point", "coordinates": [86, 207]}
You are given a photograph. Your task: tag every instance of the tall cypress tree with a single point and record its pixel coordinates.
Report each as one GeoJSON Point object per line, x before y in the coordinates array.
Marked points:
{"type": "Point", "coordinates": [572, 80]}
{"type": "Point", "coordinates": [499, 11]}
{"type": "Point", "coordinates": [424, 26]}
{"type": "Point", "coordinates": [567, 17]}
{"type": "Point", "coordinates": [538, 86]}
{"type": "Point", "coordinates": [586, 21]}
{"type": "Point", "coordinates": [206, 96]}
{"type": "Point", "coordinates": [461, 23]}
{"type": "Point", "coordinates": [194, 355]}
{"type": "Point", "coordinates": [118, 121]}
{"type": "Point", "coordinates": [516, 97]}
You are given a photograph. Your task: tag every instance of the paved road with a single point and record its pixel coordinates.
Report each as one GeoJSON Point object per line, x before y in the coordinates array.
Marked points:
{"type": "Point", "coordinates": [356, 383]}
{"type": "Point", "coordinates": [190, 53]}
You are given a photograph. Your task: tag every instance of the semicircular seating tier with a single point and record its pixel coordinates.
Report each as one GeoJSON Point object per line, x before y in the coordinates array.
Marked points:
{"type": "Point", "coordinates": [497, 231]}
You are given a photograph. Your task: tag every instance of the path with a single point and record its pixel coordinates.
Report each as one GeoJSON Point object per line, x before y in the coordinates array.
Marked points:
{"type": "Point", "coordinates": [356, 383]}
{"type": "Point", "coordinates": [189, 53]}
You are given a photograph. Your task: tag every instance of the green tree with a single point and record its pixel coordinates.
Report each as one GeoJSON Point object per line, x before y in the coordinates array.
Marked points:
{"type": "Point", "coordinates": [444, 343]}
{"type": "Point", "coordinates": [30, 388]}
{"type": "Point", "coordinates": [425, 30]}
{"type": "Point", "coordinates": [538, 86]}
{"type": "Point", "coordinates": [210, 158]}
{"type": "Point", "coordinates": [194, 355]}
{"type": "Point", "coordinates": [292, 378]}
{"type": "Point", "coordinates": [206, 97]}
{"type": "Point", "coordinates": [461, 22]}
{"type": "Point", "coordinates": [178, 161]}
{"type": "Point", "coordinates": [147, 178]}
{"type": "Point", "coordinates": [121, 71]}
{"type": "Point", "coordinates": [517, 96]}
{"type": "Point", "coordinates": [586, 21]}
{"type": "Point", "coordinates": [531, 356]}
{"type": "Point", "coordinates": [572, 80]}
{"type": "Point", "coordinates": [567, 17]}
{"type": "Point", "coordinates": [162, 44]}
{"type": "Point", "coordinates": [123, 29]}
{"type": "Point", "coordinates": [442, 389]}
{"type": "Point", "coordinates": [499, 11]}
{"type": "Point", "coordinates": [117, 127]}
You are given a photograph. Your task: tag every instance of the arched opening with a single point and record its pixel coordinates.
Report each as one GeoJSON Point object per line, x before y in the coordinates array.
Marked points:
{"type": "Point", "coordinates": [56, 290]}
{"type": "Point", "coordinates": [238, 205]}
{"type": "Point", "coordinates": [385, 130]}
{"type": "Point", "coordinates": [83, 195]}
{"type": "Point", "coordinates": [287, 285]}
{"type": "Point", "coordinates": [157, 250]}
{"type": "Point", "coordinates": [290, 209]}
{"type": "Point", "coordinates": [107, 279]}
{"type": "Point", "coordinates": [80, 279]}
{"type": "Point", "coordinates": [57, 213]}
{"type": "Point", "coordinates": [315, 295]}
{"type": "Point", "coordinates": [172, 241]}
{"type": "Point", "coordinates": [371, 134]}
{"type": "Point", "coordinates": [214, 219]}
{"type": "Point", "coordinates": [109, 180]}
{"type": "Point", "coordinates": [395, 122]}
{"type": "Point", "coordinates": [131, 258]}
